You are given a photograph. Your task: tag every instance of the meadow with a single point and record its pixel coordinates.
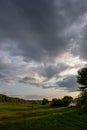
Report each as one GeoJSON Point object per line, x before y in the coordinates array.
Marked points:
{"type": "Point", "coordinates": [41, 117]}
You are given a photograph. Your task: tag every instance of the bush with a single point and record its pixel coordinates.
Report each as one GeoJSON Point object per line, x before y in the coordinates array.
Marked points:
{"type": "Point", "coordinates": [57, 103]}
{"type": "Point", "coordinates": [82, 99]}
{"type": "Point", "coordinates": [45, 101]}
{"type": "Point", "coordinates": [61, 102]}
{"type": "Point", "coordinates": [67, 100]}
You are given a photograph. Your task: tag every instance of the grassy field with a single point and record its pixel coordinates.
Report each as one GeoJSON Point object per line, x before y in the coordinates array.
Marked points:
{"type": "Point", "coordinates": [38, 117]}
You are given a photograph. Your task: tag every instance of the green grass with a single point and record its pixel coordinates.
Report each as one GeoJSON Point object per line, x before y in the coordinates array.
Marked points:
{"type": "Point", "coordinates": [38, 117]}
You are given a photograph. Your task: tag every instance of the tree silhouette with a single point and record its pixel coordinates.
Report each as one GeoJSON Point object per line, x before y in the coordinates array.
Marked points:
{"type": "Point", "coordinates": [82, 78]}
{"type": "Point", "coordinates": [45, 101]}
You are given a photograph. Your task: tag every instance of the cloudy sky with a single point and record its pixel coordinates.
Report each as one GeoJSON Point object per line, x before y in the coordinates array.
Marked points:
{"type": "Point", "coordinates": [42, 45]}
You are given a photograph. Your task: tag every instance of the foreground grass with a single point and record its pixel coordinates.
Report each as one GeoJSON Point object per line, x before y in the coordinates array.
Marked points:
{"type": "Point", "coordinates": [38, 117]}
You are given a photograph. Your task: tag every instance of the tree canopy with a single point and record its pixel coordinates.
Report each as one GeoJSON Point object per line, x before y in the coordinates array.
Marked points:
{"type": "Point", "coordinates": [45, 101]}
{"type": "Point", "coordinates": [82, 77]}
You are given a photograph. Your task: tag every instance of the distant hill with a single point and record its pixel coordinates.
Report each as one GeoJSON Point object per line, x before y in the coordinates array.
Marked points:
{"type": "Point", "coordinates": [4, 99]}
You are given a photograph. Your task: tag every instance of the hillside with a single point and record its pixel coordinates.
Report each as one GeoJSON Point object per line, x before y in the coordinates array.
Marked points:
{"type": "Point", "coordinates": [7, 99]}
{"type": "Point", "coordinates": [4, 98]}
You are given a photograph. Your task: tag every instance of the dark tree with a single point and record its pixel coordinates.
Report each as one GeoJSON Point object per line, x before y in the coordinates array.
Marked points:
{"type": "Point", "coordinates": [45, 101]}
{"type": "Point", "coordinates": [56, 102]}
{"type": "Point", "coordinates": [82, 80]}
{"type": "Point", "coordinates": [82, 77]}
{"type": "Point", "coordinates": [67, 100]}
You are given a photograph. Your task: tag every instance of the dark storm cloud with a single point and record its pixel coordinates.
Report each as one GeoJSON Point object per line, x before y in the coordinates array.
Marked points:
{"type": "Point", "coordinates": [30, 25]}
{"type": "Point", "coordinates": [29, 80]}
{"type": "Point", "coordinates": [69, 82]}
{"type": "Point", "coordinates": [32, 28]}
{"type": "Point", "coordinates": [12, 69]}
{"type": "Point", "coordinates": [50, 71]}
{"type": "Point", "coordinates": [1, 76]}
{"type": "Point", "coordinates": [40, 30]}
{"type": "Point", "coordinates": [9, 70]}
{"type": "Point", "coordinates": [46, 72]}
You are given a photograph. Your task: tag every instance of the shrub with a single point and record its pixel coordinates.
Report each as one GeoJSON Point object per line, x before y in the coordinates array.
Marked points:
{"type": "Point", "coordinates": [45, 101]}
{"type": "Point", "coordinates": [57, 102]}
{"type": "Point", "coordinates": [67, 100]}
{"type": "Point", "coordinates": [82, 99]}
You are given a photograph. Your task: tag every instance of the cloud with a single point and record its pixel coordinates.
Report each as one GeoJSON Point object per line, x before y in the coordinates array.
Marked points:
{"type": "Point", "coordinates": [40, 74]}
{"type": "Point", "coordinates": [14, 69]}
{"type": "Point", "coordinates": [32, 30]}
{"type": "Point", "coordinates": [29, 80]}
{"type": "Point", "coordinates": [50, 70]}
{"type": "Point", "coordinates": [76, 36]}
{"type": "Point", "coordinates": [36, 35]}
{"type": "Point", "coordinates": [69, 83]}
{"type": "Point", "coordinates": [9, 69]}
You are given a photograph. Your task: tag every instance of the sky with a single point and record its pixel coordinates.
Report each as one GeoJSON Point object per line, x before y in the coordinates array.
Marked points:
{"type": "Point", "coordinates": [43, 43]}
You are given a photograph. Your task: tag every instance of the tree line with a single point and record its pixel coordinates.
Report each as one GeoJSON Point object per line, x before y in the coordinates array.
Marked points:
{"type": "Point", "coordinates": [4, 99]}
{"type": "Point", "coordinates": [65, 101]}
